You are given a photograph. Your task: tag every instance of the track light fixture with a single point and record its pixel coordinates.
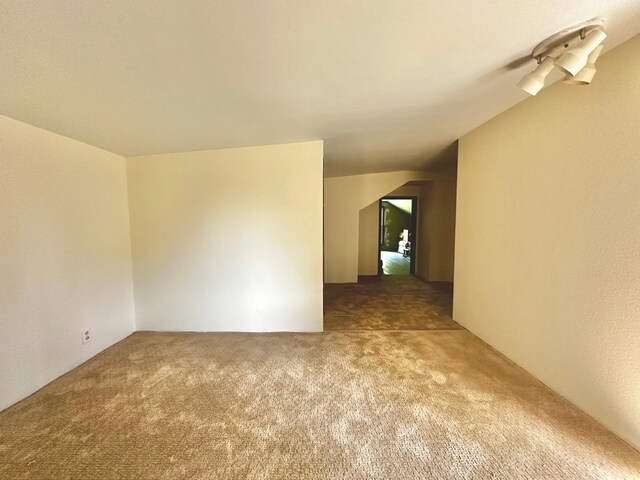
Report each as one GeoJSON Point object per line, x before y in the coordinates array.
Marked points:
{"type": "Point", "coordinates": [533, 82]}
{"type": "Point", "coordinates": [584, 76]}
{"type": "Point", "coordinates": [573, 50]}
{"type": "Point", "coordinates": [575, 59]}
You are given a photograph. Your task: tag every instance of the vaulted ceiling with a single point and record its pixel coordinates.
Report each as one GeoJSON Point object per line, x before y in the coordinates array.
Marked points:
{"type": "Point", "coordinates": [388, 85]}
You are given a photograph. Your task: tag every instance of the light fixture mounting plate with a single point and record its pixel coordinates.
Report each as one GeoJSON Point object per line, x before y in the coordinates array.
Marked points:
{"type": "Point", "coordinates": [567, 36]}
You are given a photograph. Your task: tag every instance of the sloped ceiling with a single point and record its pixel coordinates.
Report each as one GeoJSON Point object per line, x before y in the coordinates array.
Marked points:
{"type": "Point", "coordinates": [404, 205]}
{"type": "Point", "coordinates": [388, 85]}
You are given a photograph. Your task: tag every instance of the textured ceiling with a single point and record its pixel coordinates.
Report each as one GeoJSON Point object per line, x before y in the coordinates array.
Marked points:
{"type": "Point", "coordinates": [388, 85]}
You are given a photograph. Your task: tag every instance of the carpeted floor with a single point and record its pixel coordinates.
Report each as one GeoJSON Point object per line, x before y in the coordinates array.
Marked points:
{"type": "Point", "coordinates": [394, 263]}
{"type": "Point", "coordinates": [389, 303]}
{"type": "Point", "coordinates": [354, 405]}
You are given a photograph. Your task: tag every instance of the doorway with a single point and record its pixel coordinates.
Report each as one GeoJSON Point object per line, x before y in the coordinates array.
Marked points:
{"type": "Point", "coordinates": [397, 232]}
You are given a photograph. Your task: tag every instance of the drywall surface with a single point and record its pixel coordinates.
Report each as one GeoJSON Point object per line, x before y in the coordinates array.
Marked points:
{"type": "Point", "coordinates": [65, 256]}
{"type": "Point", "coordinates": [436, 231]}
{"type": "Point", "coordinates": [368, 239]}
{"type": "Point", "coordinates": [344, 197]}
{"type": "Point", "coordinates": [548, 239]}
{"type": "Point", "coordinates": [228, 240]}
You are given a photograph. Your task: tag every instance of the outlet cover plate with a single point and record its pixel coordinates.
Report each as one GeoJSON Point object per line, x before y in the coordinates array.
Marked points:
{"type": "Point", "coordinates": [86, 335]}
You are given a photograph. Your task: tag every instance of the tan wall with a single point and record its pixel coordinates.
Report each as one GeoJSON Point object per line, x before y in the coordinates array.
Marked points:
{"type": "Point", "coordinates": [65, 256]}
{"type": "Point", "coordinates": [344, 197]}
{"type": "Point", "coordinates": [436, 231]}
{"type": "Point", "coordinates": [548, 239]}
{"type": "Point", "coordinates": [228, 240]}
{"type": "Point", "coordinates": [368, 240]}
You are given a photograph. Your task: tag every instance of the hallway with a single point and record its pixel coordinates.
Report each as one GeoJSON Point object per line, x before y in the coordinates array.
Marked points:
{"type": "Point", "coordinates": [398, 302]}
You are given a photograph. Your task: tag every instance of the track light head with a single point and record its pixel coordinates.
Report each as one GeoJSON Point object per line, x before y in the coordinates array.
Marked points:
{"type": "Point", "coordinates": [585, 76]}
{"type": "Point", "coordinates": [576, 59]}
{"type": "Point", "coordinates": [533, 82]}
{"type": "Point", "coordinates": [574, 50]}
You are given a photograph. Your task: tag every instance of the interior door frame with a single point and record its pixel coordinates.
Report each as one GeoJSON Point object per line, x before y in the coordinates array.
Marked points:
{"type": "Point", "coordinates": [414, 230]}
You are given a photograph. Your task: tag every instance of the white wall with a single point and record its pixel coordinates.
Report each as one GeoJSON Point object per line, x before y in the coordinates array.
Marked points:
{"type": "Point", "coordinates": [344, 197]}
{"type": "Point", "coordinates": [228, 240]}
{"type": "Point", "coordinates": [548, 239]}
{"type": "Point", "coordinates": [65, 259]}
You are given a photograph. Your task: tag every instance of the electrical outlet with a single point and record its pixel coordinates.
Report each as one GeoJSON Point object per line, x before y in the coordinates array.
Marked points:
{"type": "Point", "coordinates": [86, 335]}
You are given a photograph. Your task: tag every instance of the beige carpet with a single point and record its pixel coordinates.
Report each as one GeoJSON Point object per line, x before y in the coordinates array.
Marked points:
{"type": "Point", "coordinates": [379, 405]}
{"type": "Point", "coordinates": [389, 303]}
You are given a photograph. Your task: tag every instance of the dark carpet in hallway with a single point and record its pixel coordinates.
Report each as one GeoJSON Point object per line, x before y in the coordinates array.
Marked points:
{"type": "Point", "coordinates": [402, 302]}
